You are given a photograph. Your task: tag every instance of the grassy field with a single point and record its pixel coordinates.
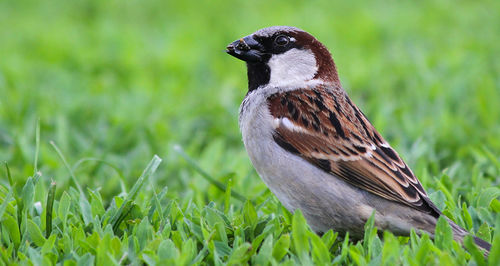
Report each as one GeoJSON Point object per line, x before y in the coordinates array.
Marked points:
{"type": "Point", "coordinates": [91, 91]}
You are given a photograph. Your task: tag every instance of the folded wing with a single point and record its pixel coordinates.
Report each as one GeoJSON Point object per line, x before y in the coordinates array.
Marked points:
{"type": "Point", "coordinates": [325, 128]}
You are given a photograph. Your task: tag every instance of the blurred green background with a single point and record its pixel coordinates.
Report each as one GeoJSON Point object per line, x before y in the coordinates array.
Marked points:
{"type": "Point", "coordinates": [124, 80]}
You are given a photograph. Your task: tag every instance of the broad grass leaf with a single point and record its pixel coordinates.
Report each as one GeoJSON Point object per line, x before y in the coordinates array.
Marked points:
{"type": "Point", "coordinates": [485, 215]}
{"type": "Point", "coordinates": [12, 228]}
{"type": "Point", "coordinates": [49, 244]}
{"type": "Point", "coordinates": [211, 216]}
{"type": "Point", "coordinates": [86, 210]}
{"type": "Point", "coordinates": [466, 216]}
{"type": "Point", "coordinates": [207, 232]}
{"type": "Point", "coordinates": [222, 249]}
{"type": "Point", "coordinates": [177, 238]}
{"type": "Point", "coordinates": [35, 257]}
{"type": "Point", "coordinates": [391, 248]}
{"type": "Point", "coordinates": [443, 235]}
{"type": "Point", "coordinates": [35, 234]}
{"type": "Point", "coordinates": [28, 194]}
{"type": "Point", "coordinates": [484, 232]}
{"type": "Point", "coordinates": [281, 247]}
{"type": "Point", "coordinates": [250, 214]}
{"type": "Point", "coordinates": [487, 196]}
{"type": "Point", "coordinates": [495, 205]}
{"type": "Point", "coordinates": [86, 259]}
{"type": "Point", "coordinates": [414, 239]}
{"type": "Point", "coordinates": [188, 251]}
{"type": "Point", "coordinates": [446, 259]}
{"type": "Point", "coordinates": [215, 221]}
{"type": "Point", "coordinates": [240, 255]}
{"type": "Point", "coordinates": [148, 260]}
{"type": "Point", "coordinates": [370, 235]}
{"type": "Point", "coordinates": [356, 256]}
{"type": "Point", "coordinates": [221, 232]}
{"type": "Point", "coordinates": [439, 199]}
{"type": "Point", "coordinates": [264, 256]}
{"type": "Point", "coordinates": [104, 252]}
{"type": "Point", "coordinates": [320, 252]}
{"type": "Point", "coordinates": [329, 238]}
{"type": "Point", "coordinates": [444, 184]}
{"type": "Point", "coordinates": [167, 250]}
{"type": "Point", "coordinates": [6, 253]}
{"type": "Point", "coordinates": [299, 235]}
{"type": "Point", "coordinates": [96, 205]}
{"type": "Point", "coordinates": [115, 245]}
{"type": "Point", "coordinates": [216, 259]}
{"type": "Point", "coordinates": [5, 203]}
{"type": "Point", "coordinates": [144, 232]}
{"type": "Point", "coordinates": [269, 229]}
{"type": "Point", "coordinates": [195, 229]}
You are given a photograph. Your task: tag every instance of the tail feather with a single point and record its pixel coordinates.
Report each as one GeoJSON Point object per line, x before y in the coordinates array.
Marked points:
{"type": "Point", "coordinates": [459, 234]}
{"type": "Point", "coordinates": [483, 245]}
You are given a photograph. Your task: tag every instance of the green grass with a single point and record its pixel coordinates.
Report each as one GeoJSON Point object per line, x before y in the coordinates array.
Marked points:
{"type": "Point", "coordinates": [91, 90]}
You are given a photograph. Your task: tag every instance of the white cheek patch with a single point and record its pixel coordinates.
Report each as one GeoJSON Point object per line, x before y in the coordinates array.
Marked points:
{"type": "Point", "coordinates": [295, 66]}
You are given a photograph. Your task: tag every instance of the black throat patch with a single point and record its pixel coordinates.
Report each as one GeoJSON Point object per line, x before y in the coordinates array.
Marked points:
{"type": "Point", "coordinates": [258, 74]}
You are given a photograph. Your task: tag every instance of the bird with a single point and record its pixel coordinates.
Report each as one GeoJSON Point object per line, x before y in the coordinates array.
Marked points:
{"type": "Point", "coordinates": [316, 150]}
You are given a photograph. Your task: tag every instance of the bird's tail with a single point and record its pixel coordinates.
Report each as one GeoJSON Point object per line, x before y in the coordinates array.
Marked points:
{"type": "Point", "coordinates": [485, 246]}
{"type": "Point", "coordinates": [459, 233]}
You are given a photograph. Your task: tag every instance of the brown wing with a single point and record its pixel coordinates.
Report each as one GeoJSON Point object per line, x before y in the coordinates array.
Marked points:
{"type": "Point", "coordinates": [324, 127]}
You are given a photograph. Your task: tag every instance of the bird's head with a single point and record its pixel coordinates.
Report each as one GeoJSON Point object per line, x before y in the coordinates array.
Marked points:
{"type": "Point", "coordinates": [282, 55]}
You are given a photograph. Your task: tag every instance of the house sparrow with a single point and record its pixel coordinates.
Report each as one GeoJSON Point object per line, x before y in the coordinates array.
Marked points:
{"type": "Point", "coordinates": [316, 150]}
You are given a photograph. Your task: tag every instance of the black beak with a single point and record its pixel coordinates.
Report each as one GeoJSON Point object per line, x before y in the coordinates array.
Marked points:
{"type": "Point", "coordinates": [246, 49]}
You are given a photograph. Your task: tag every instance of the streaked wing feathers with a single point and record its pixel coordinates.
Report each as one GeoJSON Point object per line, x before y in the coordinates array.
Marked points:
{"type": "Point", "coordinates": [324, 127]}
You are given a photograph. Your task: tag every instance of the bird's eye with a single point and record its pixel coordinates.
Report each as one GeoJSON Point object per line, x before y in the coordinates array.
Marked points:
{"type": "Point", "coordinates": [281, 40]}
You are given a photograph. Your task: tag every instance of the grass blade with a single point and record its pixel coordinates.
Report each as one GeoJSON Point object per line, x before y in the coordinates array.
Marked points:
{"type": "Point", "coordinates": [90, 159]}
{"type": "Point", "coordinates": [19, 202]}
{"type": "Point", "coordinates": [37, 146]}
{"type": "Point", "coordinates": [127, 204]}
{"type": "Point", "coordinates": [9, 176]}
{"type": "Point", "coordinates": [67, 167]}
{"type": "Point", "coordinates": [178, 149]}
{"type": "Point", "coordinates": [50, 205]}
{"type": "Point", "coordinates": [4, 203]}
{"type": "Point", "coordinates": [84, 202]}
